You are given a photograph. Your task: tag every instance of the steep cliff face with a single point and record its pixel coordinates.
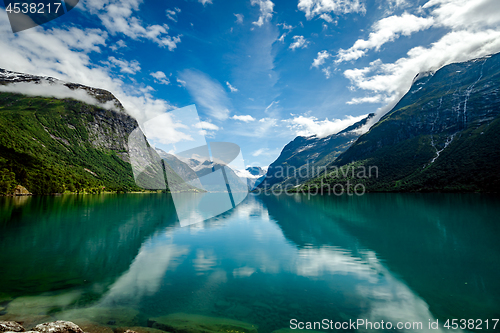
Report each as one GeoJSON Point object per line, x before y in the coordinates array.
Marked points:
{"type": "Point", "coordinates": [442, 135]}
{"type": "Point", "coordinates": [52, 145]}
{"type": "Point", "coordinates": [306, 157]}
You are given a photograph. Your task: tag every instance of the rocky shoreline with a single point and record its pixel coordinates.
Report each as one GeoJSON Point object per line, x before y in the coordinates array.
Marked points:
{"type": "Point", "coordinates": [173, 323]}
{"type": "Point", "coordinates": [52, 327]}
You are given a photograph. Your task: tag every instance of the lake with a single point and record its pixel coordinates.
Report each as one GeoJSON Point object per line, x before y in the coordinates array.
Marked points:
{"type": "Point", "coordinates": [120, 260]}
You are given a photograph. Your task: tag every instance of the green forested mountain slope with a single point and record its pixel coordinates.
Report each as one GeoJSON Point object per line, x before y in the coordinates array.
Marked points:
{"type": "Point", "coordinates": [443, 135]}
{"type": "Point", "coordinates": [51, 145]}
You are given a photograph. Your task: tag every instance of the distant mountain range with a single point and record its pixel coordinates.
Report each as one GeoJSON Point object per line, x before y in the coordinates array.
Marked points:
{"type": "Point", "coordinates": [306, 157]}
{"type": "Point", "coordinates": [443, 135]}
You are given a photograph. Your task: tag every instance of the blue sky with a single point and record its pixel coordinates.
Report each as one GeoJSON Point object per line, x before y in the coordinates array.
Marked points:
{"type": "Point", "coordinates": [259, 71]}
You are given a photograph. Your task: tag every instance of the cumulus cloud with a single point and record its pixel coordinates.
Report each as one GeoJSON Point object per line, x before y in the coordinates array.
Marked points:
{"type": "Point", "coordinates": [386, 30]}
{"type": "Point", "coordinates": [323, 8]}
{"type": "Point", "coordinates": [118, 18]}
{"type": "Point", "coordinates": [460, 14]}
{"type": "Point", "coordinates": [233, 89]}
{"type": "Point", "coordinates": [205, 2]}
{"type": "Point", "coordinates": [207, 128]}
{"type": "Point", "coordinates": [320, 60]}
{"type": "Point", "coordinates": [160, 77]}
{"type": "Point", "coordinates": [245, 118]}
{"type": "Point", "coordinates": [129, 67]}
{"type": "Point", "coordinates": [266, 11]}
{"type": "Point", "coordinates": [208, 93]}
{"type": "Point", "coordinates": [310, 125]}
{"type": "Point", "coordinates": [299, 42]}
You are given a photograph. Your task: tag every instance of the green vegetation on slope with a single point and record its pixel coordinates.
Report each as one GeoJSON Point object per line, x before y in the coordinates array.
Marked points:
{"type": "Point", "coordinates": [53, 146]}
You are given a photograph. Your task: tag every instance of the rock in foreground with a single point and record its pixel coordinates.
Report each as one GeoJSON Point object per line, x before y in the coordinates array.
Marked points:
{"type": "Point", "coordinates": [58, 327]}
{"type": "Point", "coordinates": [10, 326]}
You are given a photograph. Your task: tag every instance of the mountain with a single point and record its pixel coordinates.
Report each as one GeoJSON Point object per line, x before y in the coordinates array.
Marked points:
{"type": "Point", "coordinates": [443, 135]}
{"type": "Point", "coordinates": [253, 175]}
{"type": "Point", "coordinates": [51, 145]}
{"type": "Point", "coordinates": [203, 173]}
{"type": "Point", "coordinates": [180, 168]}
{"type": "Point", "coordinates": [306, 157]}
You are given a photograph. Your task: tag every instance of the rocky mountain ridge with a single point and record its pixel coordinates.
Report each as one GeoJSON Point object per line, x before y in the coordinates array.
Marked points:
{"type": "Point", "coordinates": [443, 135]}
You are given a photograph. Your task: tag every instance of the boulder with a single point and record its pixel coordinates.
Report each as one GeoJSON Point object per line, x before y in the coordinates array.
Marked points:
{"type": "Point", "coordinates": [11, 326]}
{"type": "Point", "coordinates": [21, 190]}
{"type": "Point", "coordinates": [58, 327]}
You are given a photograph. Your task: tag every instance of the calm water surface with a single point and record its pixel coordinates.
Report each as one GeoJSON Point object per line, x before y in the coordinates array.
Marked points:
{"type": "Point", "coordinates": [391, 257]}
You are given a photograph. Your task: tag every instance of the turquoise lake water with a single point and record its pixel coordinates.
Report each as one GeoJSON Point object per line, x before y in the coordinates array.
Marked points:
{"type": "Point", "coordinates": [391, 257]}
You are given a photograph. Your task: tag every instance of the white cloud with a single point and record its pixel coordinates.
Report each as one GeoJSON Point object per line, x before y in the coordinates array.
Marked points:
{"type": "Point", "coordinates": [172, 15]}
{"type": "Point", "coordinates": [233, 89]}
{"type": "Point", "coordinates": [118, 17]}
{"type": "Point", "coordinates": [165, 130]}
{"type": "Point", "coordinates": [285, 26]}
{"type": "Point", "coordinates": [460, 14]}
{"type": "Point", "coordinates": [204, 2]}
{"type": "Point", "coordinates": [129, 67]}
{"type": "Point", "coordinates": [386, 30]}
{"type": "Point", "coordinates": [299, 42]}
{"type": "Point", "coordinates": [181, 82]}
{"type": "Point", "coordinates": [260, 151]}
{"type": "Point", "coordinates": [327, 71]}
{"type": "Point", "coordinates": [207, 128]}
{"type": "Point", "coordinates": [207, 125]}
{"type": "Point", "coordinates": [208, 93]}
{"type": "Point", "coordinates": [119, 44]}
{"type": "Point", "coordinates": [368, 99]}
{"type": "Point", "coordinates": [239, 18]}
{"type": "Point", "coordinates": [313, 8]}
{"type": "Point", "coordinates": [57, 90]}
{"type": "Point", "coordinates": [326, 17]}
{"type": "Point", "coordinates": [320, 60]}
{"type": "Point", "coordinates": [307, 126]}
{"type": "Point", "coordinates": [160, 77]}
{"type": "Point", "coordinates": [266, 11]}
{"type": "Point", "coordinates": [245, 118]}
